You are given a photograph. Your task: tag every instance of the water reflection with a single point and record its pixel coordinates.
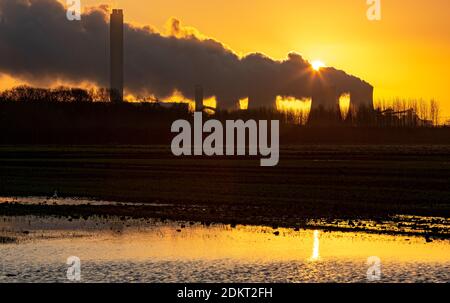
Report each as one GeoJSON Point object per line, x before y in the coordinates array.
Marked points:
{"type": "Point", "coordinates": [151, 251]}
{"type": "Point", "coordinates": [316, 253]}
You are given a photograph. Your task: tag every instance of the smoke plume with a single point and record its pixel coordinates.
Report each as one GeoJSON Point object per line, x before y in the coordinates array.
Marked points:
{"type": "Point", "coordinates": [39, 45]}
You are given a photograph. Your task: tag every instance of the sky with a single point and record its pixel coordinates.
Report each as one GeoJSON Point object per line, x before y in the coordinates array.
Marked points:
{"type": "Point", "coordinates": [405, 54]}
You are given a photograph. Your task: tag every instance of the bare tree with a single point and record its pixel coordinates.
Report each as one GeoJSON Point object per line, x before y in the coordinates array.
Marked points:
{"type": "Point", "coordinates": [434, 112]}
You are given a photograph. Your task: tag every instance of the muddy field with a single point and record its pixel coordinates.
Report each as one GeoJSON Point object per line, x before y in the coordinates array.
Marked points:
{"type": "Point", "coordinates": [324, 185]}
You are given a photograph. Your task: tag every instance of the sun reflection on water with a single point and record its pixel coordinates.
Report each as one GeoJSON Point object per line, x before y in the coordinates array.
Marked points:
{"type": "Point", "coordinates": [316, 247]}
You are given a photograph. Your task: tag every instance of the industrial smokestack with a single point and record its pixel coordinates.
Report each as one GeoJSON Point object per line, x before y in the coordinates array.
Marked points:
{"type": "Point", "coordinates": [116, 55]}
{"type": "Point", "coordinates": [198, 98]}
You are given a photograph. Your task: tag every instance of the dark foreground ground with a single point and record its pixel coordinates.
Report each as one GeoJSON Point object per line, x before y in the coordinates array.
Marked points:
{"type": "Point", "coordinates": [331, 184]}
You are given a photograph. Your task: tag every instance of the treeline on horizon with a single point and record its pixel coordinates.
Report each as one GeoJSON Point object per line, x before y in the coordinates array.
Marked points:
{"type": "Point", "coordinates": [78, 116]}
{"type": "Point", "coordinates": [425, 110]}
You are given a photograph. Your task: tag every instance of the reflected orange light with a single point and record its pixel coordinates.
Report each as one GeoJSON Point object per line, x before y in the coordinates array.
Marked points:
{"type": "Point", "coordinates": [344, 105]}
{"type": "Point", "coordinates": [298, 108]}
{"type": "Point", "coordinates": [210, 102]}
{"type": "Point", "coordinates": [316, 244]}
{"type": "Point", "coordinates": [244, 243]}
{"type": "Point", "coordinates": [243, 104]}
{"type": "Point", "coordinates": [178, 97]}
{"type": "Point", "coordinates": [292, 104]}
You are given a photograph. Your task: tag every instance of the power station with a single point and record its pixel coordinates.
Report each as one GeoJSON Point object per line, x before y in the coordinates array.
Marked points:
{"type": "Point", "coordinates": [325, 109]}
{"type": "Point", "coordinates": [116, 56]}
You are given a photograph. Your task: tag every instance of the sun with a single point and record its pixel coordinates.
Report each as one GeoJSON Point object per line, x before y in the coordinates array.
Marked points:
{"type": "Point", "coordinates": [317, 65]}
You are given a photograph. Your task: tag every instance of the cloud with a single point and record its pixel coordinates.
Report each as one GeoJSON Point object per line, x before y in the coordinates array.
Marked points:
{"type": "Point", "coordinates": [38, 44]}
{"type": "Point", "coordinates": [176, 29]}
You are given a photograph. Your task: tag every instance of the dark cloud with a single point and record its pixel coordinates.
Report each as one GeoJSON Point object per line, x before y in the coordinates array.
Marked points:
{"type": "Point", "coordinates": [38, 44]}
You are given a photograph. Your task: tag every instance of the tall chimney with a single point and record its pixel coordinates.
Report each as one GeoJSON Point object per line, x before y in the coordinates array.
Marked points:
{"type": "Point", "coordinates": [198, 98]}
{"type": "Point", "coordinates": [116, 55]}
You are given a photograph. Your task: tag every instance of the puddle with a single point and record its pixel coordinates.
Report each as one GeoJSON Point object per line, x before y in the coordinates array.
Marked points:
{"type": "Point", "coordinates": [113, 250]}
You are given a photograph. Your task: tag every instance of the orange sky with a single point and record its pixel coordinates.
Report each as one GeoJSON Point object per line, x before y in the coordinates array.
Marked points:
{"type": "Point", "coordinates": [406, 54]}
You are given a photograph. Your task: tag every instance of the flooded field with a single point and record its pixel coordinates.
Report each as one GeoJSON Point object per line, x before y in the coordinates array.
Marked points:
{"type": "Point", "coordinates": [36, 249]}
{"type": "Point", "coordinates": [430, 227]}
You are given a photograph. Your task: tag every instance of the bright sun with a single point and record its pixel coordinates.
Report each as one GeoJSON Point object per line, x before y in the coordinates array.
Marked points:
{"type": "Point", "coordinates": [317, 65]}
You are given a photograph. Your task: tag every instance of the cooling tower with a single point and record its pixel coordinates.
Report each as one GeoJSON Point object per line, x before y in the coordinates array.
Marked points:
{"type": "Point", "coordinates": [362, 97]}
{"type": "Point", "coordinates": [261, 100]}
{"type": "Point", "coordinates": [325, 109]}
{"type": "Point", "coordinates": [361, 102]}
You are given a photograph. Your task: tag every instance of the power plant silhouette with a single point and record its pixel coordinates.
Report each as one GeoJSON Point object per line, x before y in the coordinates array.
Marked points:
{"type": "Point", "coordinates": [325, 107]}
{"type": "Point", "coordinates": [323, 90]}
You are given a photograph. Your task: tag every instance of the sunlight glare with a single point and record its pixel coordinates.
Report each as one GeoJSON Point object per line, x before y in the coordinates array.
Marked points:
{"type": "Point", "coordinates": [317, 65]}
{"type": "Point", "coordinates": [316, 253]}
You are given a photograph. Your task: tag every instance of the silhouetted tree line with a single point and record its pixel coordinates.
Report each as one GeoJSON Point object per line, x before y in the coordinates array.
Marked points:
{"type": "Point", "coordinates": [30, 115]}
{"type": "Point", "coordinates": [408, 113]}
{"type": "Point", "coordinates": [77, 116]}
{"type": "Point", "coordinates": [61, 94]}
{"type": "Point", "coordinates": [395, 113]}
